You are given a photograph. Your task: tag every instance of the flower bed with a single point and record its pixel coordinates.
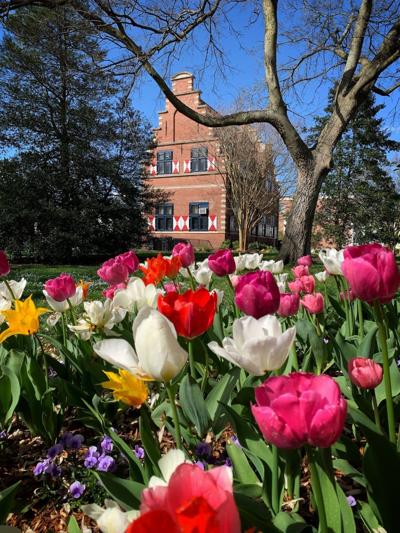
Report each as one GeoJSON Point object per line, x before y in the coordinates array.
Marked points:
{"type": "Point", "coordinates": [169, 404]}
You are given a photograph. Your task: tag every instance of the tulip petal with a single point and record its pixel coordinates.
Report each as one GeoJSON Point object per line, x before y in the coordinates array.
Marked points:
{"type": "Point", "coordinates": [119, 353]}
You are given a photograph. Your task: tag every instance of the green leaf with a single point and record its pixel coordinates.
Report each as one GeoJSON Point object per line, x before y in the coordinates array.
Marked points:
{"type": "Point", "coordinates": [242, 470]}
{"type": "Point", "coordinates": [193, 405]}
{"type": "Point", "coordinates": [290, 522]}
{"type": "Point", "coordinates": [253, 513]}
{"type": "Point", "coordinates": [395, 379]}
{"type": "Point", "coordinates": [135, 466]}
{"type": "Point", "coordinates": [367, 346]}
{"type": "Point", "coordinates": [10, 393]}
{"type": "Point", "coordinates": [150, 443]}
{"type": "Point", "coordinates": [329, 493]}
{"type": "Point", "coordinates": [348, 523]}
{"type": "Point", "coordinates": [73, 526]}
{"type": "Point", "coordinates": [368, 517]}
{"type": "Point", "coordinates": [221, 394]}
{"type": "Point", "coordinates": [124, 491]}
{"type": "Point", "coordinates": [7, 501]}
{"type": "Point", "coordinates": [348, 470]}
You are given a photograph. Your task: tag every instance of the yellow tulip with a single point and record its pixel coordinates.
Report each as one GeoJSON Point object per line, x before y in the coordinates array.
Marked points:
{"type": "Point", "coordinates": [126, 387]}
{"type": "Point", "coordinates": [23, 320]}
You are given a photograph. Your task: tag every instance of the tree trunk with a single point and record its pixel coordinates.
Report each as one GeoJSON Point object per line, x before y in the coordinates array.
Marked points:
{"type": "Point", "coordinates": [297, 239]}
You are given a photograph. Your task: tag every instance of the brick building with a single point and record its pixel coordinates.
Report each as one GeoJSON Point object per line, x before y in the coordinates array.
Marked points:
{"type": "Point", "coordinates": [185, 167]}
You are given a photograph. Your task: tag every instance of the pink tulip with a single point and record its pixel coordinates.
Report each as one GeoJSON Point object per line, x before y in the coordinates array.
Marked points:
{"type": "Point", "coordinates": [222, 263]}
{"type": "Point", "coordinates": [306, 260]}
{"type": "Point", "coordinates": [257, 294]}
{"type": "Point", "coordinates": [112, 289]}
{"type": "Point", "coordinates": [114, 271]}
{"type": "Point", "coordinates": [4, 264]}
{"type": "Point", "coordinates": [60, 288]}
{"type": "Point", "coordinates": [365, 373]}
{"type": "Point", "coordinates": [288, 304]}
{"type": "Point", "coordinates": [372, 272]}
{"type": "Point", "coordinates": [300, 270]}
{"type": "Point", "coordinates": [314, 303]}
{"type": "Point", "coordinates": [193, 501]}
{"type": "Point", "coordinates": [185, 252]}
{"type": "Point", "coordinates": [234, 280]}
{"type": "Point", "coordinates": [300, 409]}
{"type": "Point", "coordinates": [130, 260]}
{"type": "Point", "coordinates": [308, 283]}
{"type": "Point", "coordinates": [296, 286]}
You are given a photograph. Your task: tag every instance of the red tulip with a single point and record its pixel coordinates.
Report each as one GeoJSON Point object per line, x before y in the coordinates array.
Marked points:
{"type": "Point", "coordinates": [306, 260]}
{"type": "Point", "coordinates": [372, 272]}
{"type": "Point", "coordinates": [195, 501]}
{"type": "Point", "coordinates": [60, 288]}
{"type": "Point", "coordinates": [130, 260]}
{"type": "Point", "coordinates": [257, 294]}
{"type": "Point", "coordinates": [184, 250]}
{"type": "Point", "coordinates": [288, 304]}
{"type": "Point", "coordinates": [222, 263]}
{"type": "Point", "coordinates": [308, 284]}
{"type": "Point", "coordinates": [365, 373]}
{"type": "Point", "coordinates": [114, 271]}
{"type": "Point", "coordinates": [4, 264]}
{"type": "Point", "coordinates": [192, 312]}
{"type": "Point", "coordinates": [314, 303]}
{"type": "Point", "coordinates": [300, 409]}
{"type": "Point", "coordinates": [300, 270]}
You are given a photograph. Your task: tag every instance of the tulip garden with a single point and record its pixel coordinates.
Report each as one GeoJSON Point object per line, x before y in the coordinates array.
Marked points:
{"type": "Point", "coordinates": [223, 396]}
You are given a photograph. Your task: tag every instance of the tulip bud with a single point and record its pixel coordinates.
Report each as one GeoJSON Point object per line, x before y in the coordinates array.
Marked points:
{"type": "Point", "coordinates": [4, 264]}
{"type": "Point", "coordinates": [306, 260]}
{"type": "Point", "coordinates": [300, 270]}
{"type": "Point", "coordinates": [296, 286]}
{"type": "Point", "coordinates": [114, 271]}
{"type": "Point", "coordinates": [130, 260]}
{"type": "Point", "coordinates": [308, 283]}
{"type": "Point", "coordinates": [314, 303]}
{"type": "Point", "coordinates": [365, 373]}
{"type": "Point", "coordinates": [184, 250]}
{"type": "Point", "coordinates": [289, 304]}
{"type": "Point", "coordinates": [60, 288]}
{"type": "Point", "coordinates": [222, 263]}
{"type": "Point", "coordinates": [257, 294]}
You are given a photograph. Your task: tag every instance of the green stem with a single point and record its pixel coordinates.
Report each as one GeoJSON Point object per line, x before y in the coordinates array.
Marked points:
{"type": "Point", "coordinates": [386, 370]}
{"type": "Point", "coordinates": [71, 310]}
{"type": "Point", "coordinates": [191, 359]}
{"type": "Point", "coordinates": [218, 324]}
{"type": "Point", "coordinates": [205, 376]}
{"type": "Point", "coordinates": [275, 480]}
{"type": "Point", "coordinates": [45, 366]}
{"type": "Point", "coordinates": [9, 289]}
{"type": "Point", "coordinates": [236, 310]}
{"type": "Point", "coordinates": [191, 278]}
{"type": "Point", "coordinates": [177, 427]}
{"type": "Point", "coordinates": [376, 410]}
{"type": "Point", "coordinates": [360, 320]}
{"type": "Point", "coordinates": [316, 488]}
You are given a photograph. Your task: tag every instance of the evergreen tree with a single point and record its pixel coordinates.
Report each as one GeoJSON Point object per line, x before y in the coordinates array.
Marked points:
{"type": "Point", "coordinates": [72, 173]}
{"type": "Point", "coordinates": [358, 200]}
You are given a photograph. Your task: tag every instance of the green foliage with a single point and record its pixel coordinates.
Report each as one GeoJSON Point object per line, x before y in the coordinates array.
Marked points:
{"type": "Point", "coordinates": [72, 175]}
{"type": "Point", "coordinates": [358, 198]}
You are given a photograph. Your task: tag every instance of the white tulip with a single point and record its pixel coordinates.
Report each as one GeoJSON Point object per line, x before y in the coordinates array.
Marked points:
{"type": "Point", "coordinates": [276, 267]}
{"type": "Point", "coordinates": [5, 305]}
{"type": "Point", "coordinates": [158, 354]}
{"type": "Point", "coordinates": [137, 295]}
{"type": "Point", "coordinates": [281, 281]}
{"type": "Point", "coordinates": [252, 261]}
{"type": "Point", "coordinates": [322, 276]}
{"type": "Point", "coordinates": [257, 345]}
{"type": "Point", "coordinates": [240, 262]}
{"type": "Point", "coordinates": [167, 465]}
{"type": "Point", "coordinates": [63, 306]}
{"type": "Point", "coordinates": [203, 275]}
{"type": "Point", "coordinates": [332, 260]}
{"type": "Point", "coordinates": [98, 315]}
{"type": "Point", "coordinates": [17, 288]}
{"type": "Point", "coordinates": [111, 519]}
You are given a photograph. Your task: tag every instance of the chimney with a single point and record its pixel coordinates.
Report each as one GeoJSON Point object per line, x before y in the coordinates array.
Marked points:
{"type": "Point", "coordinates": [182, 83]}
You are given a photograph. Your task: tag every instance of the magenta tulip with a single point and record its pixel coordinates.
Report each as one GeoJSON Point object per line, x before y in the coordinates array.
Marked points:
{"type": "Point", "coordinates": [60, 288]}
{"type": "Point", "coordinates": [314, 303]}
{"type": "Point", "coordinates": [300, 270]}
{"type": "Point", "coordinates": [300, 409]}
{"type": "Point", "coordinates": [114, 271]}
{"type": "Point", "coordinates": [306, 260]}
{"type": "Point", "coordinates": [308, 284]}
{"type": "Point", "coordinates": [289, 304]}
{"type": "Point", "coordinates": [365, 373]}
{"type": "Point", "coordinates": [185, 252]}
{"type": "Point", "coordinates": [222, 263]}
{"type": "Point", "coordinates": [130, 260]}
{"type": "Point", "coordinates": [4, 264]}
{"type": "Point", "coordinates": [257, 294]}
{"type": "Point", "coordinates": [372, 272]}
{"type": "Point", "coordinates": [112, 289]}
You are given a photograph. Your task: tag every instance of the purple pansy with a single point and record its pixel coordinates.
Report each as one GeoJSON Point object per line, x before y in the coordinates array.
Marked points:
{"type": "Point", "coordinates": [107, 444]}
{"type": "Point", "coordinates": [55, 450]}
{"type": "Point", "coordinates": [139, 451]}
{"type": "Point", "coordinates": [105, 463]}
{"type": "Point", "coordinates": [76, 489]}
{"type": "Point", "coordinates": [91, 457]}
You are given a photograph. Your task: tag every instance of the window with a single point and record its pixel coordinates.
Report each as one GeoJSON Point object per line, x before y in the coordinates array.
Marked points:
{"type": "Point", "coordinates": [164, 217]}
{"type": "Point", "coordinates": [199, 158]}
{"type": "Point", "coordinates": [164, 162]}
{"type": "Point", "coordinates": [198, 216]}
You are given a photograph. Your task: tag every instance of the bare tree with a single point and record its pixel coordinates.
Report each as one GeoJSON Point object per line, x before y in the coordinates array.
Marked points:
{"type": "Point", "coordinates": [353, 44]}
{"type": "Point", "coordinates": [247, 169]}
